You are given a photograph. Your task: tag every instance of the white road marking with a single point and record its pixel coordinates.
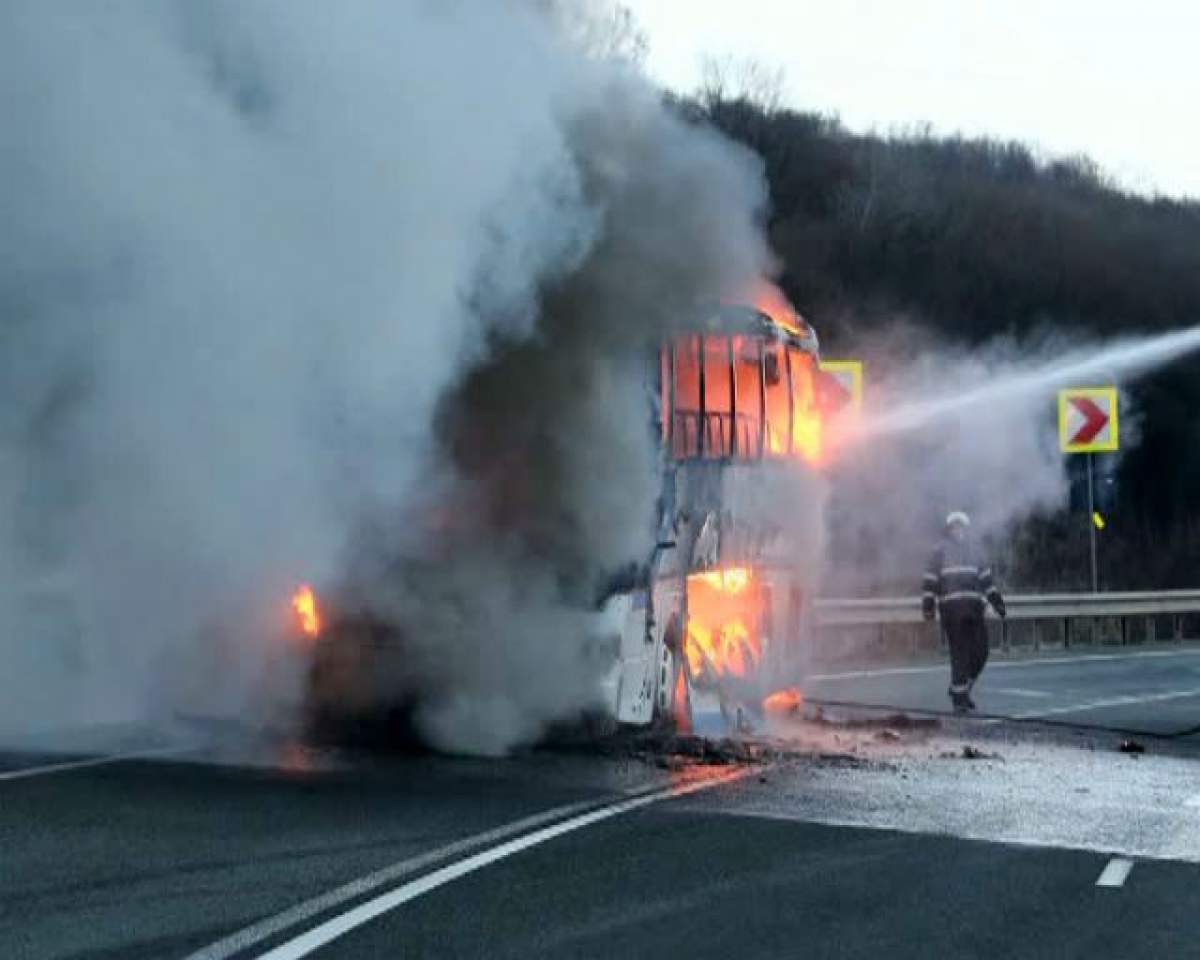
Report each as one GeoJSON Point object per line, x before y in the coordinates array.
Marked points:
{"type": "Point", "coordinates": [883, 672]}
{"type": "Point", "coordinates": [27, 772]}
{"type": "Point", "coordinates": [1114, 874]}
{"type": "Point", "coordinates": [1112, 702]}
{"type": "Point", "coordinates": [1008, 664]}
{"type": "Point", "coordinates": [1022, 692]}
{"type": "Point", "coordinates": [342, 924]}
{"type": "Point", "coordinates": [306, 910]}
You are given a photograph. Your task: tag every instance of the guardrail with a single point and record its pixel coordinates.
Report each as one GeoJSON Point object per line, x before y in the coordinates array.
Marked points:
{"type": "Point", "coordinates": [1020, 607]}
{"type": "Point", "coordinates": [1109, 614]}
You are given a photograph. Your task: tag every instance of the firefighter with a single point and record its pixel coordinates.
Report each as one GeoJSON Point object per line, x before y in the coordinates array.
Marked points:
{"type": "Point", "coordinates": [956, 584]}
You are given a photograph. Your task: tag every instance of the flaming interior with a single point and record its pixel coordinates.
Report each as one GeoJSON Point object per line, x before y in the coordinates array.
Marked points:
{"type": "Point", "coordinates": [806, 417]}
{"type": "Point", "coordinates": [724, 635]}
{"type": "Point", "coordinates": [308, 617]}
{"type": "Point", "coordinates": [771, 301]}
{"type": "Point", "coordinates": [739, 396]}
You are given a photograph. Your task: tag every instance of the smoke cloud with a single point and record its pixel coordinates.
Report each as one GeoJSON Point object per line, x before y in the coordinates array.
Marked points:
{"type": "Point", "coordinates": [356, 294]}
{"type": "Point", "coordinates": [963, 428]}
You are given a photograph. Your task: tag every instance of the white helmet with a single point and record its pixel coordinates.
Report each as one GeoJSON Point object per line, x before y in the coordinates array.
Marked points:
{"type": "Point", "coordinates": [958, 518]}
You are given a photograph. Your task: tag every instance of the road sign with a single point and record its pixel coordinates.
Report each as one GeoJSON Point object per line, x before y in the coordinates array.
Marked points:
{"type": "Point", "coordinates": [1087, 419]}
{"type": "Point", "coordinates": [844, 384]}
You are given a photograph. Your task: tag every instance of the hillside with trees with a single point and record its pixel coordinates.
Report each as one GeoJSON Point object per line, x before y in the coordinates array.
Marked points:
{"type": "Point", "coordinates": [979, 238]}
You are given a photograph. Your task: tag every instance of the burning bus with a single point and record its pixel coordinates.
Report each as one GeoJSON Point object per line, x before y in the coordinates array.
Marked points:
{"type": "Point", "coordinates": [719, 616]}
{"type": "Point", "coordinates": [715, 617]}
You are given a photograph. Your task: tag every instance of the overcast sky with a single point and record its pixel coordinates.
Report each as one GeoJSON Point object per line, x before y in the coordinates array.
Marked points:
{"type": "Point", "coordinates": [1115, 79]}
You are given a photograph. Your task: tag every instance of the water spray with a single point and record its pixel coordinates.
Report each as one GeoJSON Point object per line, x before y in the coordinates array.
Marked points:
{"type": "Point", "coordinates": [1121, 360]}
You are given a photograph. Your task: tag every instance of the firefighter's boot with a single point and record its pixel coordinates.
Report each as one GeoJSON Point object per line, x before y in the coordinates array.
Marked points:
{"type": "Point", "coordinates": [967, 695]}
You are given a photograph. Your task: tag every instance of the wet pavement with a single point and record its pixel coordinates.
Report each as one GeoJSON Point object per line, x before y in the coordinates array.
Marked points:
{"type": "Point", "coordinates": [1147, 691]}
{"type": "Point", "coordinates": [845, 833]}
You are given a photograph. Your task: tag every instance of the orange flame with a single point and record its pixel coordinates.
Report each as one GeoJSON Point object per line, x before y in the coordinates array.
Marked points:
{"type": "Point", "coordinates": [732, 580]}
{"type": "Point", "coordinates": [807, 435]}
{"type": "Point", "coordinates": [723, 615]}
{"type": "Point", "coordinates": [806, 414]}
{"type": "Point", "coordinates": [806, 418]}
{"type": "Point", "coordinates": [744, 395]}
{"type": "Point", "coordinates": [771, 300]}
{"type": "Point", "coordinates": [787, 700]}
{"type": "Point", "coordinates": [308, 617]}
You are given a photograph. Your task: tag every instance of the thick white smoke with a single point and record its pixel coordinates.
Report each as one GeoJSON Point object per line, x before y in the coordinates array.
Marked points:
{"type": "Point", "coordinates": [262, 266]}
{"type": "Point", "coordinates": [966, 428]}
{"type": "Point", "coordinates": [897, 481]}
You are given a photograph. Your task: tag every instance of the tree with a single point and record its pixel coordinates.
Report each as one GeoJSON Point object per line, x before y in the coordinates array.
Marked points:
{"type": "Point", "coordinates": [727, 78]}
{"type": "Point", "coordinates": [973, 238]}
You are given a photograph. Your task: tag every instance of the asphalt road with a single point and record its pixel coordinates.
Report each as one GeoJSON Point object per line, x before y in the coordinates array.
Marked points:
{"type": "Point", "coordinates": [678, 884]}
{"type": "Point", "coordinates": [1150, 691]}
{"type": "Point", "coordinates": [855, 841]}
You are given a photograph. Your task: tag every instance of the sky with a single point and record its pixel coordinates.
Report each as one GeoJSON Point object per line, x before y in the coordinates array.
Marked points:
{"type": "Point", "coordinates": [1116, 80]}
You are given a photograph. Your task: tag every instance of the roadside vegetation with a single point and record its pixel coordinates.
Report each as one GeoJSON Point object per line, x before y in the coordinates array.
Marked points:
{"type": "Point", "coordinates": [974, 239]}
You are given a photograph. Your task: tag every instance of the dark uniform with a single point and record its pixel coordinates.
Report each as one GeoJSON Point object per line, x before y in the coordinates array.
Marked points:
{"type": "Point", "coordinates": [956, 582]}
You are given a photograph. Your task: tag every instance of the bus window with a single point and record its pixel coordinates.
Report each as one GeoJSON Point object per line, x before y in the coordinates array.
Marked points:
{"type": "Point", "coordinates": [747, 353]}
{"type": "Point", "coordinates": [718, 397]}
{"type": "Point", "coordinates": [685, 412]}
{"type": "Point", "coordinates": [806, 419]}
{"type": "Point", "coordinates": [778, 401]}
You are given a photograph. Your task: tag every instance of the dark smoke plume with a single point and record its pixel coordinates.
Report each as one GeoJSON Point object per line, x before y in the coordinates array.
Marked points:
{"type": "Point", "coordinates": [359, 294]}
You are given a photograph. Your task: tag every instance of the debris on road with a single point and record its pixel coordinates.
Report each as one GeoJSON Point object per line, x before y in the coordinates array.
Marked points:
{"type": "Point", "coordinates": [672, 751]}
{"type": "Point", "coordinates": [970, 752]}
{"type": "Point", "coordinates": [866, 719]}
{"type": "Point", "coordinates": [1129, 745]}
{"type": "Point", "coordinates": [842, 759]}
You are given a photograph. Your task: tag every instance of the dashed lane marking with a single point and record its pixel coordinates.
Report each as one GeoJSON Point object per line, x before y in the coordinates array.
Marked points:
{"type": "Point", "coordinates": [1114, 873]}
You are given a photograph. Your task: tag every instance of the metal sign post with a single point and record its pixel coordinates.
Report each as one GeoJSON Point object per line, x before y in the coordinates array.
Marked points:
{"type": "Point", "coordinates": [1091, 474]}
{"type": "Point", "coordinates": [1087, 423]}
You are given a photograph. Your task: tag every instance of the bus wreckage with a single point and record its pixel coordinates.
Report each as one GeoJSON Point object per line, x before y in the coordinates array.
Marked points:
{"type": "Point", "coordinates": [702, 631]}
{"type": "Point", "coordinates": [719, 617]}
